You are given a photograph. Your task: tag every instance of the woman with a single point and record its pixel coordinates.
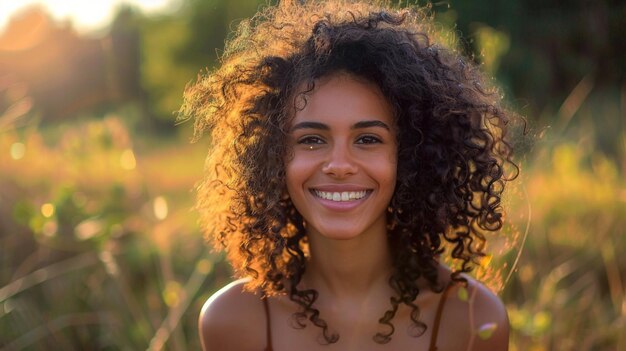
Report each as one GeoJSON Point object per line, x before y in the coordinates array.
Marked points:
{"type": "Point", "coordinates": [350, 152]}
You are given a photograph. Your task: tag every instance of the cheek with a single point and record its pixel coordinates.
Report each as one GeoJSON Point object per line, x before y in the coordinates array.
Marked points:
{"type": "Point", "coordinates": [294, 181]}
{"type": "Point", "coordinates": [290, 167]}
{"type": "Point", "coordinates": [299, 166]}
{"type": "Point", "coordinates": [390, 183]}
{"type": "Point", "coordinates": [391, 164]}
{"type": "Point", "coordinates": [289, 179]}
{"type": "Point", "coordinates": [391, 173]}
{"type": "Point", "coordinates": [294, 176]}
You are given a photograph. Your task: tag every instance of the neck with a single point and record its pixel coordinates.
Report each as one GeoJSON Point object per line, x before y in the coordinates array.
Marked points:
{"type": "Point", "coordinates": [350, 268]}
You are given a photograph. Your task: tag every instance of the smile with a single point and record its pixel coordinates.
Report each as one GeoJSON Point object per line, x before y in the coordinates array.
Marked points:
{"type": "Point", "coordinates": [340, 196]}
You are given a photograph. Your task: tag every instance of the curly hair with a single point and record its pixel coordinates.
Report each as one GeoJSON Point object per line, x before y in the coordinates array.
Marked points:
{"type": "Point", "coordinates": [452, 147]}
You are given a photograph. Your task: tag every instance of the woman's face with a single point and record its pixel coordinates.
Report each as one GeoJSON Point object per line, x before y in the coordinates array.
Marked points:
{"type": "Point", "coordinates": [342, 170]}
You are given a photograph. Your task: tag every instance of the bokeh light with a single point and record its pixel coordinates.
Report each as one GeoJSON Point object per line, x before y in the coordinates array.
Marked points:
{"type": "Point", "coordinates": [17, 151]}
{"type": "Point", "coordinates": [47, 210]}
{"type": "Point", "coordinates": [127, 160]}
{"type": "Point", "coordinates": [160, 208]}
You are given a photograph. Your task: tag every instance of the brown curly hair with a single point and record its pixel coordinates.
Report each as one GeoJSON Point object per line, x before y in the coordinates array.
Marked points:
{"type": "Point", "coordinates": [452, 149]}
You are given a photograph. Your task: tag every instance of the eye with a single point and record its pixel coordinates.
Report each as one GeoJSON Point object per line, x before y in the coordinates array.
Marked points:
{"type": "Point", "coordinates": [368, 139]}
{"type": "Point", "coordinates": [310, 140]}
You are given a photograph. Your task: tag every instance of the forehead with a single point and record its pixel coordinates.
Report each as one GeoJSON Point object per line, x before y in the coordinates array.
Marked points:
{"type": "Point", "coordinates": [342, 97]}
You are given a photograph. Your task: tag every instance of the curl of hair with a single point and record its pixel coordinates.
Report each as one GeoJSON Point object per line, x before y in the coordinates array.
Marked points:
{"type": "Point", "coordinates": [451, 132]}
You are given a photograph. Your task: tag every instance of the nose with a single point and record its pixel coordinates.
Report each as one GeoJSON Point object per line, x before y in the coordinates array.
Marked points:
{"type": "Point", "coordinates": [340, 163]}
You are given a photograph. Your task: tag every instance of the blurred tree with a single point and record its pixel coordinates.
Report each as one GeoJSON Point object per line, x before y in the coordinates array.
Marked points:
{"type": "Point", "coordinates": [64, 73]}
{"type": "Point", "coordinates": [543, 48]}
{"type": "Point", "coordinates": [163, 75]}
{"type": "Point", "coordinates": [538, 50]}
{"type": "Point", "coordinates": [124, 47]}
{"type": "Point", "coordinates": [553, 45]}
{"type": "Point", "coordinates": [175, 48]}
{"type": "Point", "coordinates": [211, 22]}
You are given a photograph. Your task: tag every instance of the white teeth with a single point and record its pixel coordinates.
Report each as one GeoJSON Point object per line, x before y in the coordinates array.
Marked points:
{"type": "Point", "coordinates": [343, 196]}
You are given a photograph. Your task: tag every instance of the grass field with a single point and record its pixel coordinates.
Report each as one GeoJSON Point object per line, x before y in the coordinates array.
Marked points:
{"type": "Point", "coordinates": [100, 250]}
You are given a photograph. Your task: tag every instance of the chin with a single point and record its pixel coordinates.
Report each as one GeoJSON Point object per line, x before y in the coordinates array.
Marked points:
{"type": "Point", "coordinates": [340, 235]}
{"type": "Point", "coordinates": [344, 231]}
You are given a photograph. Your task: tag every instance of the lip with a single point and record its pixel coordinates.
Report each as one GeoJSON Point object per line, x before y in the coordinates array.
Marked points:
{"type": "Point", "coordinates": [340, 206]}
{"type": "Point", "coordinates": [339, 187]}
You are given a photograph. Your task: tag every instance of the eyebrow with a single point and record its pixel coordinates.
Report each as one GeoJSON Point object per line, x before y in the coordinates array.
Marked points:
{"type": "Point", "coordinates": [310, 125]}
{"type": "Point", "coordinates": [369, 124]}
{"type": "Point", "coordinates": [357, 125]}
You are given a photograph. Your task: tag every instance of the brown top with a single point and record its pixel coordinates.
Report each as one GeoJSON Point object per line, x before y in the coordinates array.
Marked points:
{"type": "Point", "coordinates": [433, 338]}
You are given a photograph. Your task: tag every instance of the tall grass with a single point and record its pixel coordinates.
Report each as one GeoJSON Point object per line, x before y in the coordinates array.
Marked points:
{"type": "Point", "coordinates": [99, 247]}
{"type": "Point", "coordinates": [569, 290]}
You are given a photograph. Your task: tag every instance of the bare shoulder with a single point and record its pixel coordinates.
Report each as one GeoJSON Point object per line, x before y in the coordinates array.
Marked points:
{"type": "Point", "coordinates": [481, 313]}
{"type": "Point", "coordinates": [490, 318]}
{"type": "Point", "coordinates": [232, 319]}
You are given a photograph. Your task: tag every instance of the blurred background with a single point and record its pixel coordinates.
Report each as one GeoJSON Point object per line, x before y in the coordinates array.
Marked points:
{"type": "Point", "coordinates": [99, 245]}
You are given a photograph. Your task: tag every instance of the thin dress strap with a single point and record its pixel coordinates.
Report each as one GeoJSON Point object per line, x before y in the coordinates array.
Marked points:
{"type": "Point", "coordinates": [442, 301]}
{"type": "Point", "coordinates": [268, 326]}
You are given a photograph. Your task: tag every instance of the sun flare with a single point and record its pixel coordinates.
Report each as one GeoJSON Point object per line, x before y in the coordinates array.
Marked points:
{"type": "Point", "coordinates": [85, 16]}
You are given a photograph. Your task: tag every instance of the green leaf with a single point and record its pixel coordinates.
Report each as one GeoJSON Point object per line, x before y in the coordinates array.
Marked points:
{"type": "Point", "coordinates": [463, 294]}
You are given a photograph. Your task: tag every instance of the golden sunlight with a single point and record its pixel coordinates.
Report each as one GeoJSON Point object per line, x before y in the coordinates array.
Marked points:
{"type": "Point", "coordinates": [85, 16]}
